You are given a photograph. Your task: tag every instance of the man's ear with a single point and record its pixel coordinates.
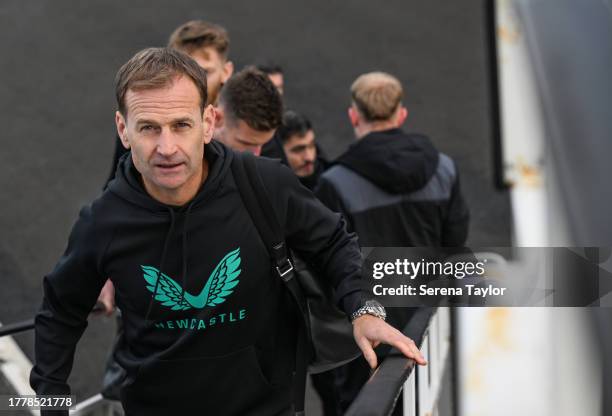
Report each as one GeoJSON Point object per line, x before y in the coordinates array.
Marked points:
{"type": "Point", "coordinates": [121, 123]}
{"type": "Point", "coordinates": [402, 114]}
{"type": "Point", "coordinates": [209, 120]}
{"type": "Point", "coordinates": [353, 115]}
{"type": "Point", "coordinates": [228, 70]}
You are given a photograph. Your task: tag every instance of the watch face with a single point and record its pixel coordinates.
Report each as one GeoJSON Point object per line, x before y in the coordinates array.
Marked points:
{"type": "Point", "coordinates": [373, 304]}
{"type": "Point", "coordinates": [377, 308]}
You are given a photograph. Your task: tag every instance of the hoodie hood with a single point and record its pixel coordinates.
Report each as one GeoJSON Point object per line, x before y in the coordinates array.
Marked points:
{"type": "Point", "coordinates": [128, 181]}
{"type": "Point", "coordinates": [393, 160]}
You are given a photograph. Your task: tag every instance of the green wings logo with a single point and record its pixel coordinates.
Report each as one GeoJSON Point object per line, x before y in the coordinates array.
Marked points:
{"type": "Point", "coordinates": [220, 285]}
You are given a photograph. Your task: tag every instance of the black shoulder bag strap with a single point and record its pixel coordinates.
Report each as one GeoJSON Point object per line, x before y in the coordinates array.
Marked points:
{"type": "Point", "coordinates": [258, 205]}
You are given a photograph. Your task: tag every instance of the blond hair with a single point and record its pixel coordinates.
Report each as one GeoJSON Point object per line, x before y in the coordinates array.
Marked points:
{"type": "Point", "coordinates": [197, 34]}
{"type": "Point", "coordinates": [377, 95]}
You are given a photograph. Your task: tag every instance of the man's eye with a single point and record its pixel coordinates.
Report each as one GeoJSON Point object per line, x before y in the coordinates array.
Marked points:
{"type": "Point", "coordinates": [182, 125]}
{"type": "Point", "coordinates": [146, 127]}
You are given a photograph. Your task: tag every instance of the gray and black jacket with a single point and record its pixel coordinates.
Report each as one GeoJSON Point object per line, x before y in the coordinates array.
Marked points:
{"type": "Point", "coordinates": [397, 189]}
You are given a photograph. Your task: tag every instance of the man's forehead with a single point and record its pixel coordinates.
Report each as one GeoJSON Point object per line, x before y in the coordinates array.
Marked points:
{"type": "Point", "coordinates": [178, 96]}
{"type": "Point", "coordinates": [247, 134]}
{"type": "Point", "coordinates": [306, 138]}
{"type": "Point", "coordinates": [206, 56]}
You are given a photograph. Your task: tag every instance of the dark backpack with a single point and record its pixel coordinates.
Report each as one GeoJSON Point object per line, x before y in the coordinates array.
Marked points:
{"type": "Point", "coordinates": [325, 339]}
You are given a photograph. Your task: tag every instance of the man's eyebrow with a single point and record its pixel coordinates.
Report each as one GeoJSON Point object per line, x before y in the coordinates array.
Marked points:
{"type": "Point", "coordinates": [177, 120]}
{"type": "Point", "coordinates": [182, 120]}
{"type": "Point", "coordinates": [145, 121]}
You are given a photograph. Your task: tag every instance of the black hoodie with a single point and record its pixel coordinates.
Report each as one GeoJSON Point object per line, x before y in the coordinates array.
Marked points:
{"type": "Point", "coordinates": [215, 334]}
{"type": "Point", "coordinates": [396, 189]}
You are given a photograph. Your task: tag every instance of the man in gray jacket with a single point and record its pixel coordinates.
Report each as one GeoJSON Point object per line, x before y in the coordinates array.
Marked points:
{"type": "Point", "coordinates": [394, 188]}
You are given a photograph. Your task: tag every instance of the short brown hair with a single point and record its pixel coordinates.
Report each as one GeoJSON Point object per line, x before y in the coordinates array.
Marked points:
{"type": "Point", "coordinates": [251, 97]}
{"type": "Point", "coordinates": [197, 34]}
{"type": "Point", "coordinates": [153, 68]}
{"type": "Point", "coordinates": [377, 95]}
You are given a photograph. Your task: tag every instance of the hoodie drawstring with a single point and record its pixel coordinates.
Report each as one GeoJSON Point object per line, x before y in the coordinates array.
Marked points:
{"type": "Point", "coordinates": [162, 261]}
{"type": "Point", "coordinates": [184, 279]}
{"type": "Point", "coordinates": [163, 256]}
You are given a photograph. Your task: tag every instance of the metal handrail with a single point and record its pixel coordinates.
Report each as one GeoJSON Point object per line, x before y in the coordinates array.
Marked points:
{"type": "Point", "coordinates": [28, 324]}
{"type": "Point", "coordinates": [379, 395]}
{"type": "Point", "coordinates": [16, 327]}
{"type": "Point", "coordinates": [95, 405]}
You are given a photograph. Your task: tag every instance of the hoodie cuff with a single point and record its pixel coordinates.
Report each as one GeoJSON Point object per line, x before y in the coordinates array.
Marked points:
{"type": "Point", "coordinates": [353, 301]}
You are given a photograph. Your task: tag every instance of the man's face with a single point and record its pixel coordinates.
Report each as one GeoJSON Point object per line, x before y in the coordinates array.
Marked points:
{"type": "Point", "coordinates": [218, 70]}
{"type": "Point", "coordinates": [278, 81]}
{"type": "Point", "coordinates": [166, 132]}
{"type": "Point", "coordinates": [238, 135]}
{"type": "Point", "coordinates": [301, 153]}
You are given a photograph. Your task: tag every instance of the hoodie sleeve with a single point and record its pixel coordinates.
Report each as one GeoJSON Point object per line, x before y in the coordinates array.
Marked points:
{"type": "Point", "coordinates": [457, 221]}
{"type": "Point", "coordinates": [317, 234]}
{"type": "Point", "coordinates": [70, 292]}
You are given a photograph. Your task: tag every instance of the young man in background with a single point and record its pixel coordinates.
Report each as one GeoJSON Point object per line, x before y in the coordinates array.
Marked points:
{"type": "Point", "coordinates": [395, 189]}
{"type": "Point", "coordinates": [249, 111]}
{"type": "Point", "coordinates": [303, 155]}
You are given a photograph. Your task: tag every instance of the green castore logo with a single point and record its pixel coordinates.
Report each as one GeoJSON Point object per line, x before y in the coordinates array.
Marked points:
{"type": "Point", "coordinates": [219, 285]}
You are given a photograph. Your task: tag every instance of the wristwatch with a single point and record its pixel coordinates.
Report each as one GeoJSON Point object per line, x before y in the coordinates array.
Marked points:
{"type": "Point", "coordinates": [370, 307]}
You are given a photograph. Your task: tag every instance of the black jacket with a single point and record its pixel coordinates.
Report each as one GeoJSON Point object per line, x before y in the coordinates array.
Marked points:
{"type": "Point", "coordinates": [321, 164]}
{"type": "Point", "coordinates": [216, 333]}
{"type": "Point", "coordinates": [396, 189]}
{"type": "Point", "coordinates": [274, 149]}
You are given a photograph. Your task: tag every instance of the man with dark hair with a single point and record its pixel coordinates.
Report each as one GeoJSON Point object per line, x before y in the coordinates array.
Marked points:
{"type": "Point", "coordinates": [274, 147]}
{"type": "Point", "coordinates": [249, 112]}
{"type": "Point", "coordinates": [207, 327]}
{"type": "Point", "coordinates": [394, 188]}
{"type": "Point", "coordinates": [275, 72]}
{"type": "Point", "coordinates": [303, 155]}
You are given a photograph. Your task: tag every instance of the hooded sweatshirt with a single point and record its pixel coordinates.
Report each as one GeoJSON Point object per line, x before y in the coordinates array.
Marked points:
{"type": "Point", "coordinates": [396, 189]}
{"type": "Point", "coordinates": [208, 326]}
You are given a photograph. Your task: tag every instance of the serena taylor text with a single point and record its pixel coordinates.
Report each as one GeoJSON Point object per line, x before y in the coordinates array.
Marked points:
{"type": "Point", "coordinates": [423, 290]}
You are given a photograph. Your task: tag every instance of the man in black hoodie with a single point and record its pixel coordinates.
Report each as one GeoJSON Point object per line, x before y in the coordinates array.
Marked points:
{"type": "Point", "coordinates": [304, 156]}
{"type": "Point", "coordinates": [208, 329]}
{"type": "Point", "coordinates": [249, 111]}
{"type": "Point", "coordinates": [395, 190]}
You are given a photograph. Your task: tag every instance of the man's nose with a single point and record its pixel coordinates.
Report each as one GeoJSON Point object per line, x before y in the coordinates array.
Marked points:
{"type": "Point", "coordinates": [311, 155]}
{"type": "Point", "coordinates": [166, 143]}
